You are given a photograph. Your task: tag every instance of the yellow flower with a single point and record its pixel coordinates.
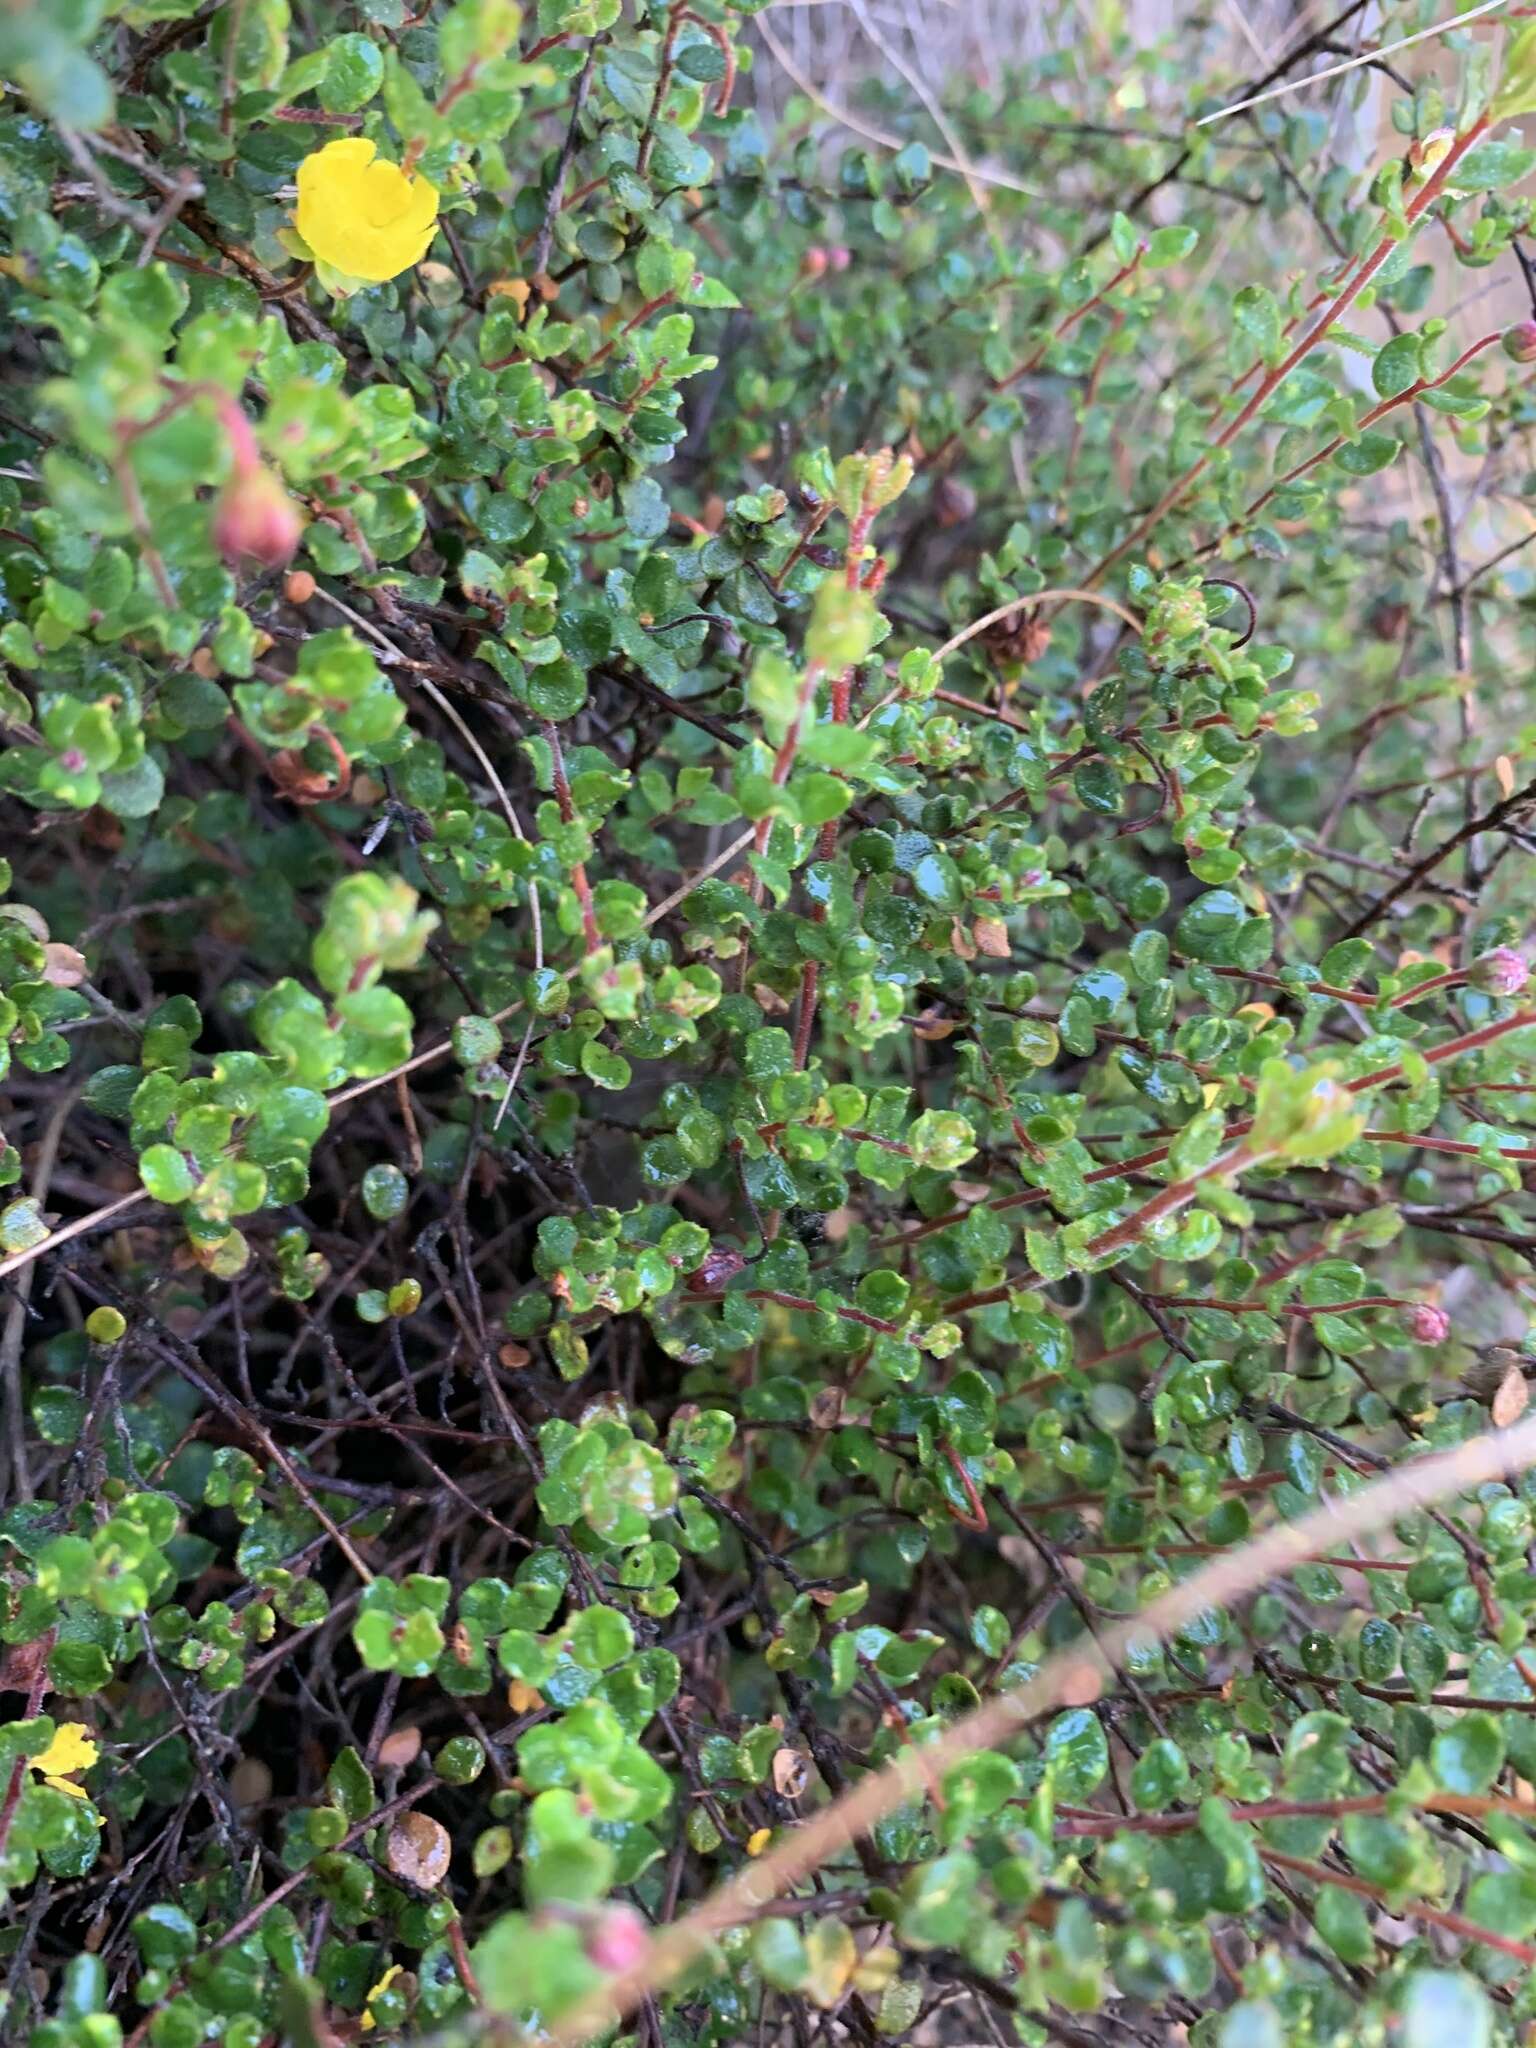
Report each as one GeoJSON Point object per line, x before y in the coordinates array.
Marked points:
{"type": "Point", "coordinates": [70, 1750]}
{"type": "Point", "coordinates": [388, 1978]}
{"type": "Point", "coordinates": [361, 214]}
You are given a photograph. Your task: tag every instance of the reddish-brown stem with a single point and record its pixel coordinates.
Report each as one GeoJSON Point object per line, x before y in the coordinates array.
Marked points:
{"type": "Point", "coordinates": [808, 533]}
{"type": "Point", "coordinates": [1089, 398]}
{"type": "Point", "coordinates": [663, 80]}
{"type": "Point", "coordinates": [461, 85]}
{"type": "Point", "coordinates": [1273, 379]}
{"type": "Point", "coordinates": [809, 1307]}
{"type": "Point", "coordinates": [727, 49]}
{"type": "Point", "coordinates": [1116, 1352]}
{"type": "Point", "coordinates": [981, 710]}
{"type": "Point", "coordinates": [1460, 1148]}
{"type": "Point", "coordinates": [1467, 1702]}
{"type": "Point", "coordinates": [1470, 1806]}
{"type": "Point", "coordinates": [37, 1692]}
{"type": "Point", "coordinates": [977, 1518]}
{"type": "Point", "coordinates": [634, 320]}
{"type": "Point", "coordinates": [1415, 391]}
{"type": "Point", "coordinates": [1410, 1909]}
{"type": "Point", "coordinates": [861, 1137]}
{"type": "Point", "coordinates": [579, 882]}
{"type": "Point", "coordinates": [1036, 356]}
{"type": "Point", "coordinates": [651, 306]}
{"type": "Point", "coordinates": [1317, 299]}
{"type": "Point", "coordinates": [1468, 1041]}
{"type": "Point", "coordinates": [784, 759]}
{"type": "Point", "coordinates": [239, 1929]}
{"type": "Point", "coordinates": [461, 1962]}
{"type": "Point", "coordinates": [1347, 1564]}
{"type": "Point", "coordinates": [826, 847]}
{"type": "Point", "coordinates": [1169, 1199]}
{"type": "Point", "coordinates": [800, 1301]}
{"type": "Point", "coordinates": [1284, 1308]}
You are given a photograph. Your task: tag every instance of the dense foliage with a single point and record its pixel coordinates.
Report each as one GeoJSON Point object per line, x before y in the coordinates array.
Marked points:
{"type": "Point", "coordinates": [762, 945]}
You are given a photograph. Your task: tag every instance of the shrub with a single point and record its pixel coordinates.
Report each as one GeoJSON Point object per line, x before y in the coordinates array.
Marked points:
{"type": "Point", "coordinates": [765, 947]}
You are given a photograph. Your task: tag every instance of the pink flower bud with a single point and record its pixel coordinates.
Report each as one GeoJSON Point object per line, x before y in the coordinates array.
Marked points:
{"type": "Point", "coordinates": [617, 1939]}
{"type": "Point", "coordinates": [1428, 1323]}
{"type": "Point", "coordinates": [255, 520]}
{"type": "Point", "coordinates": [1519, 342]}
{"type": "Point", "coordinates": [840, 258]}
{"type": "Point", "coordinates": [1503, 972]}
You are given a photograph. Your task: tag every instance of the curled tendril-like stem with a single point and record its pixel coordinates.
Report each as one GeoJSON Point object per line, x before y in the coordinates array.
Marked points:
{"type": "Point", "coordinates": [1231, 583]}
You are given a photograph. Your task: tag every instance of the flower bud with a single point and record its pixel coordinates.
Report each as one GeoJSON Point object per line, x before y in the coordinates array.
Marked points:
{"type": "Point", "coordinates": [1428, 1323]}
{"type": "Point", "coordinates": [839, 257]}
{"type": "Point", "coordinates": [255, 520]}
{"type": "Point", "coordinates": [1519, 342]}
{"type": "Point", "coordinates": [617, 1939]}
{"type": "Point", "coordinates": [814, 262]}
{"type": "Point", "coordinates": [1427, 154]}
{"type": "Point", "coordinates": [1503, 972]}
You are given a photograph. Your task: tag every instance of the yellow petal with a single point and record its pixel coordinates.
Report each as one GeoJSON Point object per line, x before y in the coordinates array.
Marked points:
{"type": "Point", "coordinates": [388, 1978]}
{"type": "Point", "coordinates": [361, 214]}
{"type": "Point", "coordinates": [70, 1750]}
{"type": "Point", "coordinates": [67, 1785]}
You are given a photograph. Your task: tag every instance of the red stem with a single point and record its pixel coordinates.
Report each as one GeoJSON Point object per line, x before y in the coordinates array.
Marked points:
{"type": "Point", "coordinates": [977, 1518]}
{"type": "Point", "coordinates": [579, 882]}
{"type": "Point", "coordinates": [1271, 382]}
{"type": "Point", "coordinates": [36, 1694]}
{"type": "Point", "coordinates": [1468, 1041]}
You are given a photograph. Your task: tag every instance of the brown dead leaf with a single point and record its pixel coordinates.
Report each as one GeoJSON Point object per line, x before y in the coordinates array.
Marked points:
{"type": "Point", "coordinates": [301, 784]}
{"type": "Point", "coordinates": [827, 1407]}
{"type": "Point", "coordinates": [63, 966]}
{"type": "Point", "coordinates": [1512, 1398]}
{"type": "Point", "coordinates": [401, 1746]}
{"type": "Point", "coordinates": [791, 1773]}
{"type": "Point", "coordinates": [418, 1850]}
{"type": "Point", "coordinates": [768, 999]}
{"type": "Point", "coordinates": [991, 935]}
{"type": "Point", "coordinates": [1504, 769]}
{"type": "Point", "coordinates": [933, 1025]}
{"type": "Point", "coordinates": [514, 1356]}
{"type": "Point", "coordinates": [961, 944]}
{"type": "Point", "coordinates": [20, 1664]}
